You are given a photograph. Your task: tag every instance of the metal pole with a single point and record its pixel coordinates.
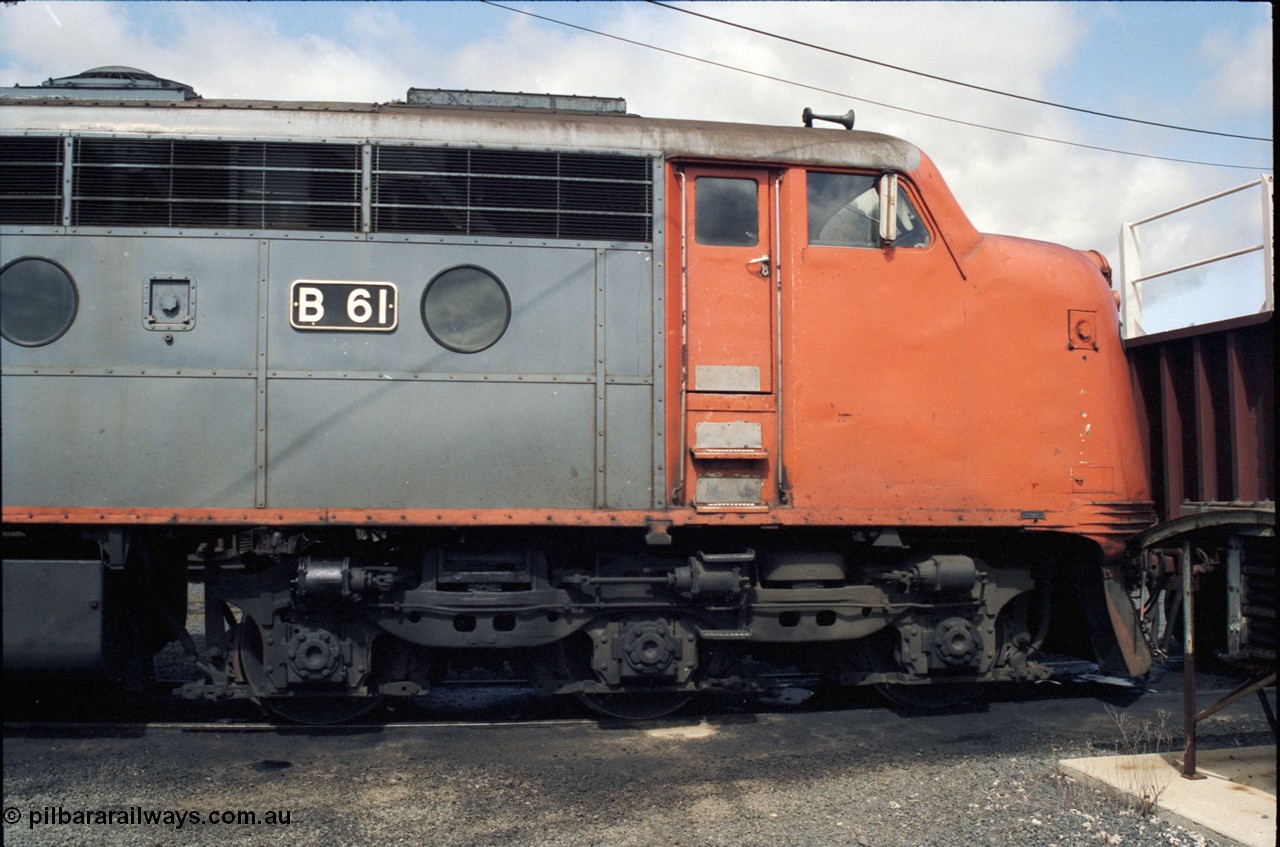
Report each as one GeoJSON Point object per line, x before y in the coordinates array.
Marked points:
{"type": "Point", "coordinates": [1268, 241]}
{"type": "Point", "coordinates": [1130, 269]}
{"type": "Point", "coordinates": [1188, 668]}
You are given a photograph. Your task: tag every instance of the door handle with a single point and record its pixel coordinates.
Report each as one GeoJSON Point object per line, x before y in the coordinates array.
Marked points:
{"type": "Point", "coordinates": [763, 262]}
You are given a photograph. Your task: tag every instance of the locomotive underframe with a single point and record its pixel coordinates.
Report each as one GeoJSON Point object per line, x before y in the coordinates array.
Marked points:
{"type": "Point", "coordinates": [314, 614]}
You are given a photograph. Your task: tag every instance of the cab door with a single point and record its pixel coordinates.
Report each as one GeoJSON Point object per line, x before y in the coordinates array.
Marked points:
{"type": "Point", "coordinates": [730, 348]}
{"type": "Point", "coordinates": [729, 281]}
{"type": "Point", "coordinates": [879, 413]}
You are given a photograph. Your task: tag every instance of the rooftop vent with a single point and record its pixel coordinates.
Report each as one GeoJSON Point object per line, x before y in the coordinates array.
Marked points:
{"type": "Point", "coordinates": [444, 99]}
{"type": "Point", "coordinates": [110, 82]}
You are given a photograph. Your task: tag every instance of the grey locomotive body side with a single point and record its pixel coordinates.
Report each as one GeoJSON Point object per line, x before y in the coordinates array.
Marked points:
{"type": "Point", "coordinates": [239, 410]}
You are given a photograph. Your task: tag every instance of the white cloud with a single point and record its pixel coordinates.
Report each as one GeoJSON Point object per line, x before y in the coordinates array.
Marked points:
{"type": "Point", "coordinates": [42, 40]}
{"type": "Point", "coordinates": [1007, 184]}
{"type": "Point", "coordinates": [235, 51]}
{"type": "Point", "coordinates": [1241, 82]}
{"type": "Point", "coordinates": [224, 50]}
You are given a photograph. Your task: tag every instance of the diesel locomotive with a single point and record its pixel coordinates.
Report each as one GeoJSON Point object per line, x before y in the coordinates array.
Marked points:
{"type": "Point", "coordinates": [633, 406]}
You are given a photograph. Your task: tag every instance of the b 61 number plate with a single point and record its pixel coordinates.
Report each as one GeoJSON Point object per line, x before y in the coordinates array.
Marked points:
{"type": "Point", "coordinates": [344, 306]}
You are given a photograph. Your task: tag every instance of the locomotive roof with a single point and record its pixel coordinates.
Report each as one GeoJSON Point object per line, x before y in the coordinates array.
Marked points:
{"type": "Point", "coordinates": [400, 122]}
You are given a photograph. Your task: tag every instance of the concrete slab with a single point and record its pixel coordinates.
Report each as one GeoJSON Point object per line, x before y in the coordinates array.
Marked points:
{"type": "Point", "coordinates": [1235, 802]}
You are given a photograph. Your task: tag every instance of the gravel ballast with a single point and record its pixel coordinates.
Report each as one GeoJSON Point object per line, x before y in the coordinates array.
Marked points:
{"type": "Point", "coordinates": [855, 775]}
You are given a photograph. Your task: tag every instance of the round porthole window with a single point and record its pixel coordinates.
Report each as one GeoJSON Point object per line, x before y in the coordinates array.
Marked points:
{"type": "Point", "coordinates": [38, 301]}
{"type": "Point", "coordinates": [466, 309]}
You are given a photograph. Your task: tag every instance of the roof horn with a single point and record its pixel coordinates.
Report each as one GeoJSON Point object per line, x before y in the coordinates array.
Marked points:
{"type": "Point", "coordinates": [845, 120]}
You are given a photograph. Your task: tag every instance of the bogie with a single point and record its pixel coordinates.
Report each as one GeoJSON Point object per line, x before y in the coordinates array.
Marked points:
{"type": "Point", "coordinates": [356, 615]}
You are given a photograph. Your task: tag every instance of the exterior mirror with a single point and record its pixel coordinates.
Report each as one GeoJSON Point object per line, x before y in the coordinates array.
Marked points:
{"type": "Point", "coordinates": [888, 208]}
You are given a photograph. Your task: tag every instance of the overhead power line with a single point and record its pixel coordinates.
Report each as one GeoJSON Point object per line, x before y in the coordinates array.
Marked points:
{"type": "Point", "coordinates": [858, 99]}
{"type": "Point", "coordinates": [951, 81]}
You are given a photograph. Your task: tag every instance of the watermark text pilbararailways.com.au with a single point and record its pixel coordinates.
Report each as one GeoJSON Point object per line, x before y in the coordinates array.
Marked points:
{"type": "Point", "coordinates": [175, 819]}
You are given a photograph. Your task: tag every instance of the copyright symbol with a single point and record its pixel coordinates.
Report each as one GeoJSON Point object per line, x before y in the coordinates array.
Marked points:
{"type": "Point", "coordinates": [12, 815]}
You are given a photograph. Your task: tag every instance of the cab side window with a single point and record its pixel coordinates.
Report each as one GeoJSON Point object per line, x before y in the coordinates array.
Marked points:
{"type": "Point", "coordinates": [844, 211]}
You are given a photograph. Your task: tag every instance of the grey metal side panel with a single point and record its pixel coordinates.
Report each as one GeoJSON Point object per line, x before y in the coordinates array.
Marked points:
{"type": "Point", "coordinates": [629, 344]}
{"type": "Point", "coordinates": [112, 415]}
{"type": "Point", "coordinates": [629, 451]}
{"type": "Point", "coordinates": [395, 420]}
{"type": "Point", "coordinates": [552, 308]}
{"type": "Point", "coordinates": [52, 614]}
{"type": "Point", "coordinates": [169, 442]}
{"type": "Point", "coordinates": [111, 273]}
{"type": "Point", "coordinates": [628, 310]}
{"type": "Point", "coordinates": [439, 444]}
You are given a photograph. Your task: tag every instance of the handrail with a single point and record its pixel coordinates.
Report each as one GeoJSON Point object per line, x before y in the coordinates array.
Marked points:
{"type": "Point", "coordinates": [1130, 257]}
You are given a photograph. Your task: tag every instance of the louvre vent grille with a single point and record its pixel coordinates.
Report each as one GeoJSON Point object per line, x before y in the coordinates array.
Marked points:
{"type": "Point", "coordinates": [310, 186]}
{"type": "Point", "coordinates": [512, 193]}
{"type": "Point", "coordinates": [216, 184]}
{"type": "Point", "coordinates": [31, 181]}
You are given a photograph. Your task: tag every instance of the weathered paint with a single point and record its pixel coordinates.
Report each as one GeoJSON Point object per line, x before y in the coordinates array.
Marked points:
{"type": "Point", "coordinates": [900, 386]}
{"type": "Point", "coordinates": [931, 385]}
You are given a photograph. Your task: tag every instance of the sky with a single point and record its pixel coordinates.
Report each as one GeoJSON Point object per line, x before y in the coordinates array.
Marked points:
{"type": "Point", "coordinates": [1203, 65]}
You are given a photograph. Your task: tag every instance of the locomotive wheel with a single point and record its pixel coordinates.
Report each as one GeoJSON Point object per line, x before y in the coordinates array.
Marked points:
{"type": "Point", "coordinates": [636, 707]}
{"type": "Point", "coordinates": [875, 655]}
{"type": "Point", "coordinates": [319, 711]}
{"type": "Point", "coordinates": [313, 710]}
{"type": "Point", "coordinates": [572, 661]}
